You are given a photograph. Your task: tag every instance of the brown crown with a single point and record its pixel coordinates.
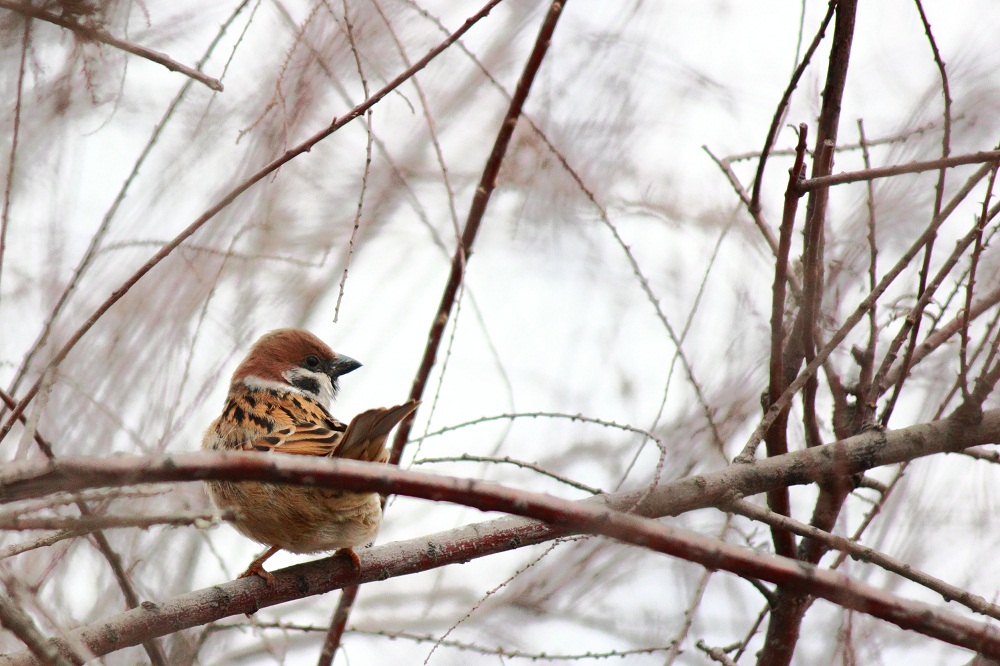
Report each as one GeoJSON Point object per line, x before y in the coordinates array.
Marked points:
{"type": "Point", "coordinates": [279, 350]}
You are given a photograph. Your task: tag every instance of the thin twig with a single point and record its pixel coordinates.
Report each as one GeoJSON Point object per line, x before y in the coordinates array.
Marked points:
{"type": "Point", "coordinates": [947, 266]}
{"type": "Point", "coordinates": [97, 34]}
{"type": "Point", "coordinates": [477, 211]}
{"type": "Point", "coordinates": [696, 598]}
{"type": "Point", "coordinates": [499, 651]}
{"type": "Point", "coordinates": [935, 340]}
{"type": "Point", "coordinates": [985, 157]}
{"type": "Point", "coordinates": [364, 174]}
{"type": "Point", "coordinates": [865, 410]}
{"type": "Point", "coordinates": [265, 171]}
{"type": "Point", "coordinates": [779, 113]}
{"type": "Point", "coordinates": [851, 547]}
{"type": "Point", "coordinates": [95, 240]}
{"type": "Point", "coordinates": [484, 598]}
{"type": "Point", "coordinates": [912, 322]}
{"type": "Point", "coordinates": [487, 183]}
{"type": "Point", "coordinates": [83, 524]}
{"type": "Point", "coordinates": [970, 289]}
{"type": "Point", "coordinates": [889, 139]}
{"type": "Point", "coordinates": [523, 464]}
{"type": "Point", "coordinates": [758, 217]}
{"type": "Point", "coordinates": [552, 415]}
{"type": "Point", "coordinates": [15, 134]}
{"type": "Point", "coordinates": [747, 454]}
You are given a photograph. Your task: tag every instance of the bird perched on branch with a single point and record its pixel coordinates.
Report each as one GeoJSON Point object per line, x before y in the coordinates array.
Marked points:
{"type": "Point", "coordinates": [278, 403]}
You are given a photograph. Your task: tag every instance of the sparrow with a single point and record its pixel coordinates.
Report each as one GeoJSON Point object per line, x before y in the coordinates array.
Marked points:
{"type": "Point", "coordinates": [278, 403]}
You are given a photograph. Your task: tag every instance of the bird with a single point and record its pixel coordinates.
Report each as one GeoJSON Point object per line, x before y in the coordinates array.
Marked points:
{"type": "Point", "coordinates": [278, 403]}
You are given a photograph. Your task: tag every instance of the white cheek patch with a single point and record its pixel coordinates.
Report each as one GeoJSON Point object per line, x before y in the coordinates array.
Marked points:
{"type": "Point", "coordinates": [284, 387]}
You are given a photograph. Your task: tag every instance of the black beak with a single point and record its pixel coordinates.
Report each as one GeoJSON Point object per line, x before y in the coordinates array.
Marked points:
{"type": "Point", "coordinates": [341, 366]}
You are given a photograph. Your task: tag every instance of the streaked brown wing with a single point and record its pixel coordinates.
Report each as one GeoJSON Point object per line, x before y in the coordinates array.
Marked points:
{"type": "Point", "coordinates": [304, 439]}
{"type": "Point", "coordinates": [365, 436]}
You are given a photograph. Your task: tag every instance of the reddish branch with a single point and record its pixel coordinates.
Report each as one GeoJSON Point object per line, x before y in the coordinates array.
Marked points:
{"type": "Point", "coordinates": [598, 516]}
{"type": "Point", "coordinates": [29, 480]}
{"type": "Point", "coordinates": [402, 558]}
{"type": "Point", "coordinates": [754, 204]}
{"type": "Point", "coordinates": [265, 171]}
{"type": "Point", "coordinates": [487, 183]}
{"type": "Point", "coordinates": [456, 546]}
{"type": "Point", "coordinates": [481, 198]}
{"type": "Point", "coordinates": [790, 606]}
{"type": "Point", "coordinates": [776, 439]}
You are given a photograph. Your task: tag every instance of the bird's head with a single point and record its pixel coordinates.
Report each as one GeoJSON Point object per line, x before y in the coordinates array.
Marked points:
{"type": "Point", "coordinates": [291, 359]}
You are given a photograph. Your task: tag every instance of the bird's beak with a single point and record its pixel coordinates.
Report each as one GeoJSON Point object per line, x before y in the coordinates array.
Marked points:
{"type": "Point", "coordinates": [342, 365]}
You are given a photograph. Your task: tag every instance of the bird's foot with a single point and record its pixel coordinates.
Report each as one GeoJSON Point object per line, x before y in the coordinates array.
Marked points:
{"type": "Point", "coordinates": [257, 569]}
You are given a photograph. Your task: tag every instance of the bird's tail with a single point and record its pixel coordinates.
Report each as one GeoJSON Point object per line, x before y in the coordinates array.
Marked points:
{"type": "Point", "coordinates": [365, 436]}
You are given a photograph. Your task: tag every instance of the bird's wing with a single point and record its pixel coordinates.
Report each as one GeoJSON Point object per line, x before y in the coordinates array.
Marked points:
{"type": "Point", "coordinates": [293, 424]}
{"type": "Point", "coordinates": [365, 436]}
{"type": "Point", "coordinates": [301, 438]}
{"type": "Point", "coordinates": [362, 439]}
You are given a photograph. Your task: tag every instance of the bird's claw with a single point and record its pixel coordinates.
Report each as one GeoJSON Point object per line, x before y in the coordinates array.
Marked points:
{"type": "Point", "coordinates": [257, 569]}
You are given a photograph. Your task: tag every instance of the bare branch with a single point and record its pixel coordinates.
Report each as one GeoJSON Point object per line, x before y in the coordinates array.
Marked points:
{"type": "Point", "coordinates": [947, 591]}
{"type": "Point", "coordinates": [18, 622]}
{"type": "Point", "coordinates": [986, 157]}
{"type": "Point", "coordinates": [477, 209]}
{"type": "Point", "coordinates": [596, 516]}
{"type": "Point", "coordinates": [775, 409]}
{"type": "Point", "coordinates": [523, 464]}
{"type": "Point", "coordinates": [90, 523]}
{"type": "Point", "coordinates": [265, 171]}
{"type": "Point", "coordinates": [97, 34]}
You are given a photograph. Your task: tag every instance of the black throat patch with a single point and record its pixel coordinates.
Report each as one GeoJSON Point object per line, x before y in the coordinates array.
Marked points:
{"type": "Point", "coordinates": [307, 384]}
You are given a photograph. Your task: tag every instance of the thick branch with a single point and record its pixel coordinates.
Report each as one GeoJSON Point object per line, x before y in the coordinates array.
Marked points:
{"type": "Point", "coordinates": [596, 515]}
{"type": "Point", "coordinates": [31, 479]}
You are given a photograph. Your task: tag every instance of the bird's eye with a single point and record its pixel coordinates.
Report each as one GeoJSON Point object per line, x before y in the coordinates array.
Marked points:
{"type": "Point", "coordinates": [312, 361]}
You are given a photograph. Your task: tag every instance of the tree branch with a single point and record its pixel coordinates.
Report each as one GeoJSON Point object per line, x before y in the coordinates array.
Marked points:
{"type": "Point", "coordinates": [598, 515]}
{"type": "Point", "coordinates": [214, 210]}
{"type": "Point", "coordinates": [96, 34]}
{"type": "Point", "coordinates": [984, 157]}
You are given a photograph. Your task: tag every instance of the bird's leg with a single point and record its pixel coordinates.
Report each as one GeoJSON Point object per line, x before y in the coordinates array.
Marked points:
{"type": "Point", "coordinates": [355, 560]}
{"type": "Point", "coordinates": [256, 567]}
